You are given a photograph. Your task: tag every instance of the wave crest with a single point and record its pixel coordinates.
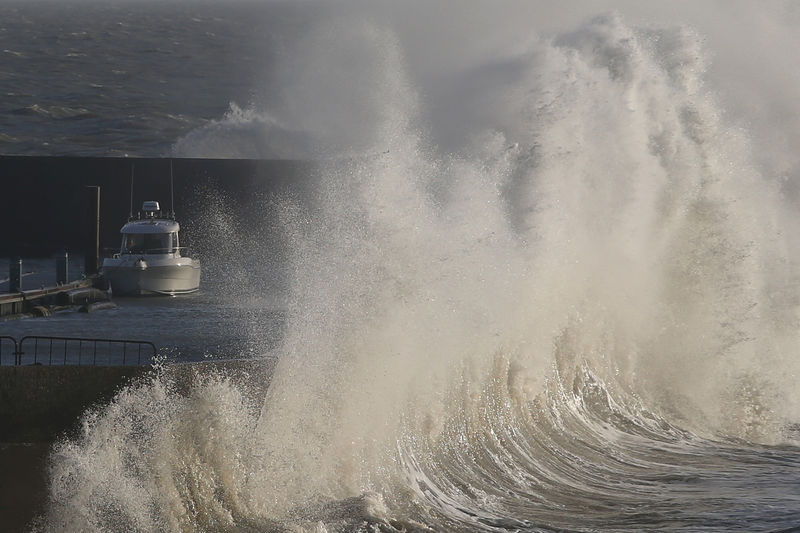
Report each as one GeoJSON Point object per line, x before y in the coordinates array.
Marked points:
{"type": "Point", "coordinates": [557, 316]}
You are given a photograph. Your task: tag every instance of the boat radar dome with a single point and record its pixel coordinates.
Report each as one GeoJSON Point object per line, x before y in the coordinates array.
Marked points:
{"type": "Point", "coordinates": [151, 206]}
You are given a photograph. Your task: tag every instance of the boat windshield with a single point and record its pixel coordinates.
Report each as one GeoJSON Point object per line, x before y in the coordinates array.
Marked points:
{"type": "Point", "coordinates": [149, 243]}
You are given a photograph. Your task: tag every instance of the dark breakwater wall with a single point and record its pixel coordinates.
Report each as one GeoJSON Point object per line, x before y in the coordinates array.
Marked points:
{"type": "Point", "coordinates": [43, 199]}
{"type": "Point", "coordinates": [39, 402]}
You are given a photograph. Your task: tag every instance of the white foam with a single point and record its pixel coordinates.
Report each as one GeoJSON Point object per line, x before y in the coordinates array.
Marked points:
{"type": "Point", "coordinates": [601, 227]}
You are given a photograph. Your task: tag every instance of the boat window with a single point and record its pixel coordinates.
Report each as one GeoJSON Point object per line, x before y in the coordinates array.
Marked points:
{"type": "Point", "coordinates": [175, 245]}
{"type": "Point", "coordinates": [152, 243]}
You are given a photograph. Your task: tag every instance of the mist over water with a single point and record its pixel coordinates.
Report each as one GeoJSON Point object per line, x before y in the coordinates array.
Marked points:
{"type": "Point", "coordinates": [569, 305]}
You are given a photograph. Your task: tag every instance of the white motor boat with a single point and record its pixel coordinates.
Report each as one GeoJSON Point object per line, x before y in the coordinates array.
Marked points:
{"type": "Point", "coordinates": [149, 260]}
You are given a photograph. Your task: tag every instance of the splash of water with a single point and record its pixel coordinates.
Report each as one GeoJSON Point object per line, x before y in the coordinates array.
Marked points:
{"type": "Point", "coordinates": [601, 260]}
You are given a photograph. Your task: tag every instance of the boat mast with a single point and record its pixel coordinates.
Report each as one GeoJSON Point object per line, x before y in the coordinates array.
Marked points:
{"type": "Point", "coordinates": [130, 213]}
{"type": "Point", "coordinates": [171, 193]}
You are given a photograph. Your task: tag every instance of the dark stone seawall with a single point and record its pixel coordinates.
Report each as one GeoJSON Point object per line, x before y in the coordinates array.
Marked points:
{"type": "Point", "coordinates": [38, 404]}
{"type": "Point", "coordinates": [44, 206]}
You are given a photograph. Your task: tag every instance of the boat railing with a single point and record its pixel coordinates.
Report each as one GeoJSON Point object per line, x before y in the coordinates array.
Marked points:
{"type": "Point", "coordinates": [152, 251]}
{"type": "Point", "coordinates": [45, 350]}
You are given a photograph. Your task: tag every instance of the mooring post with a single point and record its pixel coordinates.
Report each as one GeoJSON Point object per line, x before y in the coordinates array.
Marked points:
{"type": "Point", "coordinates": [62, 269]}
{"type": "Point", "coordinates": [91, 253]}
{"type": "Point", "coordinates": [15, 274]}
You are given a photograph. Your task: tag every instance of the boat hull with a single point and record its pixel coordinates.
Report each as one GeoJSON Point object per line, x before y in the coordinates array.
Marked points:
{"type": "Point", "coordinates": [133, 279]}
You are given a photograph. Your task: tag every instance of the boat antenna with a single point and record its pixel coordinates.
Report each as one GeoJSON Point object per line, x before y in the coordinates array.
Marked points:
{"type": "Point", "coordinates": [130, 213]}
{"type": "Point", "coordinates": [171, 192]}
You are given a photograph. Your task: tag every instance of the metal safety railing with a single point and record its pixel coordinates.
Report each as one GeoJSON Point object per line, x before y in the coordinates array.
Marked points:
{"type": "Point", "coordinates": [8, 350]}
{"type": "Point", "coordinates": [44, 350]}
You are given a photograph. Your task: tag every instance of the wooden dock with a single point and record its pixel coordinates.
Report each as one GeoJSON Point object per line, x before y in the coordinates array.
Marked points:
{"type": "Point", "coordinates": [38, 301]}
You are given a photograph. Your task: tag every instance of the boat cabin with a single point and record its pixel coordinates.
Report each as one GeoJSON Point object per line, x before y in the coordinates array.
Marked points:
{"type": "Point", "coordinates": [151, 233]}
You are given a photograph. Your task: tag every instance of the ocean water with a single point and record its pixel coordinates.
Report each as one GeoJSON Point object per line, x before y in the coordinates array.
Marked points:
{"type": "Point", "coordinates": [126, 78]}
{"type": "Point", "coordinates": [548, 282]}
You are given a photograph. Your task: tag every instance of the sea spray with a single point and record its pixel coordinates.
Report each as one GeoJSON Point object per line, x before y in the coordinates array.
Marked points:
{"type": "Point", "coordinates": [161, 456]}
{"type": "Point", "coordinates": [554, 319]}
